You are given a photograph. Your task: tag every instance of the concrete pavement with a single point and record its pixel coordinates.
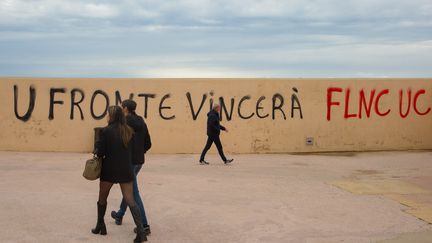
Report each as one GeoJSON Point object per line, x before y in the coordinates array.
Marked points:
{"type": "Point", "coordinates": [365, 197]}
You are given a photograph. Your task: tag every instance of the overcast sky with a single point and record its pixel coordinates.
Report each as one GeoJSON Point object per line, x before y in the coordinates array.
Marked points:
{"type": "Point", "coordinates": [216, 38]}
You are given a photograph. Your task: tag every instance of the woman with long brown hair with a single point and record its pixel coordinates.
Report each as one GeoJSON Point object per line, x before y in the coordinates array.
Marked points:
{"type": "Point", "coordinates": [114, 147]}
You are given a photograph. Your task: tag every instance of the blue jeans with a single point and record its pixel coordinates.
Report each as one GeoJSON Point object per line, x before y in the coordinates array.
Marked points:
{"type": "Point", "coordinates": [137, 198]}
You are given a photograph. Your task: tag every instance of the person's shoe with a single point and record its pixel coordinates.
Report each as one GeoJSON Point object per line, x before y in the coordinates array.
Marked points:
{"type": "Point", "coordinates": [146, 230]}
{"type": "Point", "coordinates": [99, 229]}
{"type": "Point", "coordinates": [100, 225]}
{"type": "Point", "coordinates": [203, 162]}
{"type": "Point", "coordinates": [228, 161]}
{"type": "Point", "coordinates": [116, 217]}
{"type": "Point", "coordinates": [140, 235]}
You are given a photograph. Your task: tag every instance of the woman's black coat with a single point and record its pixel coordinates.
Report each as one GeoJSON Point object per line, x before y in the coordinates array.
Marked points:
{"type": "Point", "coordinates": [117, 158]}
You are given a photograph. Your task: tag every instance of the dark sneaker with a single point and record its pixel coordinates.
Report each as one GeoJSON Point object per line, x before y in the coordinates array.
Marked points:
{"type": "Point", "coordinates": [118, 219]}
{"type": "Point", "coordinates": [203, 162]}
{"type": "Point", "coordinates": [228, 161]}
{"type": "Point", "coordinates": [146, 230]}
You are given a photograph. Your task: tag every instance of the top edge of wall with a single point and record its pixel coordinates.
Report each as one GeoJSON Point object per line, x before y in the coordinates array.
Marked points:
{"type": "Point", "coordinates": [224, 78]}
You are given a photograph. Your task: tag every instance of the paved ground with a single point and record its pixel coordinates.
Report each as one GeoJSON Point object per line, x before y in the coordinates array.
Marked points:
{"type": "Point", "coordinates": [366, 197]}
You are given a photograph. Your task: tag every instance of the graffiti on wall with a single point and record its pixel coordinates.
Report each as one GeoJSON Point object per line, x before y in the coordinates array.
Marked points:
{"type": "Point", "coordinates": [280, 107]}
{"type": "Point", "coordinates": [340, 103]}
{"type": "Point", "coordinates": [373, 102]}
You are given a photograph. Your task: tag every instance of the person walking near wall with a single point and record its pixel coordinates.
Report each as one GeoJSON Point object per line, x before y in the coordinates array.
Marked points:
{"type": "Point", "coordinates": [141, 144]}
{"type": "Point", "coordinates": [213, 135]}
{"type": "Point", "coordinates": [115, 147]}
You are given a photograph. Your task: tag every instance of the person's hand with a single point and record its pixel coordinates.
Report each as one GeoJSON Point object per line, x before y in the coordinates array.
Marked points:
{"type": "Point", "coordinates": [226, 129]}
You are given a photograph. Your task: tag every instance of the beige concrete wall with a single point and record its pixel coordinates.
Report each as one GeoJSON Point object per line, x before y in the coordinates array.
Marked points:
{"type": "Point", "coordinates": [183, 134]}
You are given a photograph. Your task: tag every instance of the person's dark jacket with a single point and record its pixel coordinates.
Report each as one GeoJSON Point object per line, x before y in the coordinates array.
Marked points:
{"type": "Point", "coordinates": [213, 124]}
{"type": "Point", "coordinates": [116, 158]}
{"type": "Point", "coordinates": [142, 141]}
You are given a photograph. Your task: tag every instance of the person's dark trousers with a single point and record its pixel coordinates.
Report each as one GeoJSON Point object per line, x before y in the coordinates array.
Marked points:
{"type": "Point", "coordinates": [137, 197]}
{"type": "Point", "coordinates": [216, 140]}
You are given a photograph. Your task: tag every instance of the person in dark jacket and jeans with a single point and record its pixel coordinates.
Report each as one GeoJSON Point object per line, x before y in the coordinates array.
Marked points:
{"type": "Point", "coordinates": [213, 131]}
{"type": "Point", "coordinates": [115, 148]}
{"type": "Point", "coordinates": [141, 144]}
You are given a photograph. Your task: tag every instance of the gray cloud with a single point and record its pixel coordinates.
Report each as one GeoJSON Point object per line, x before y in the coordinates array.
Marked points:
{"type": "Point", "coordinates": [189, 38]}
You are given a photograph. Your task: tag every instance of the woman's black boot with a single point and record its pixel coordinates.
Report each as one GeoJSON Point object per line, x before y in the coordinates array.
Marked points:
{"type": "Point", "coordinates": [140, 236]}
{"type": "Point", "coordinates": [100, 225]}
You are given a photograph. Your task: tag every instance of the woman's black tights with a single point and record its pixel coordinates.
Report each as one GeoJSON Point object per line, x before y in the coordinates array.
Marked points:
{"type": "Point", "coordinates": [126, 189]}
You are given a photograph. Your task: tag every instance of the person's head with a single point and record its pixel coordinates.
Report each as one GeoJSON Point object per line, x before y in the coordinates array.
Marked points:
{"type": "Point", "coordinates": [116, 116]}
{"type": "Point", "coordinates": [129, 106]}
{"type": "Point", "coordinates": [216, 107]}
